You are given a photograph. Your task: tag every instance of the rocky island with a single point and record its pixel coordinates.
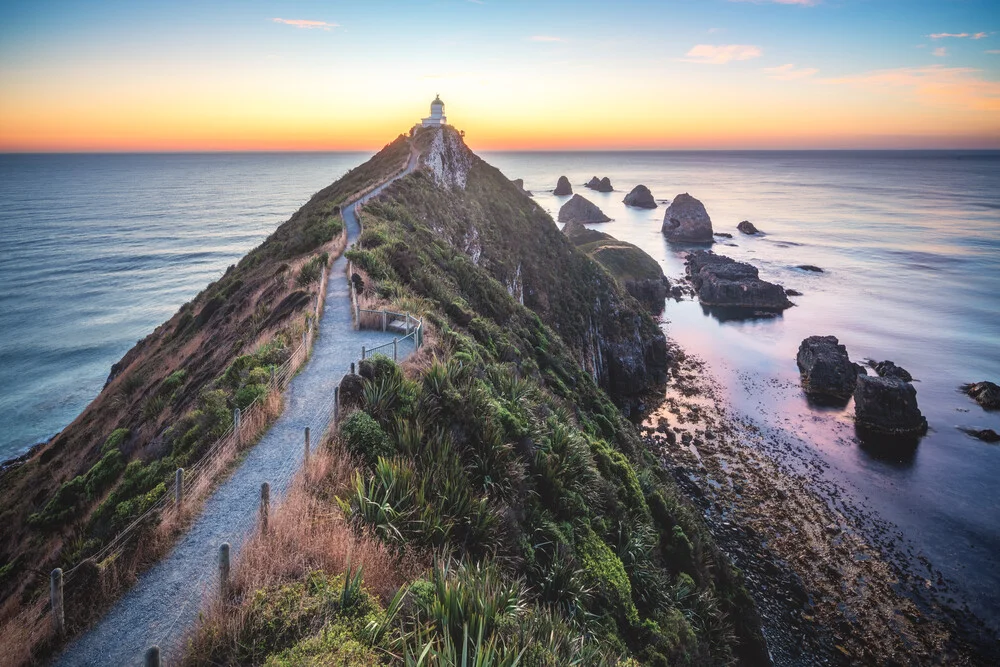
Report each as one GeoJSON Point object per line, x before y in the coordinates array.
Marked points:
{"type": "Point", "coordinates": [687, 221]}
{"type": "Point", "coordinates": [581, 210]}
{"type": "Point", "coordinates": [722, 281]}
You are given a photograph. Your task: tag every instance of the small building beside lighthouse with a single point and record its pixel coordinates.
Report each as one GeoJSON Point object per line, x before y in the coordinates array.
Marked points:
{"type": "Point", "coordinates": [437, 117]}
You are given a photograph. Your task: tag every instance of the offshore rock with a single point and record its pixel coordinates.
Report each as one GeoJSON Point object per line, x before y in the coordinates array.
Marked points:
{"type": "Point", "coordinates": [826, 369]}
{"type": "Point", "coordinates": [581, 211]}
{"type": "Point", "coordinates": [640, 197]}
{"type": "Point", "coordinates": [986, 435]}
{"type": "Point", "coordinates": [722, 281]}
{"type": "Point", "coordinates": [563, 187]}
{"type": "Point", "coordinates": [747, 227]}
{"type": "Point", "coordinates": [887, 369]}
{"type": "Point", "coordinates": [887, 406]}
{"type": "Point", "coordinates": [600, 184]}
{"type": "Point", "coordinates": [986, 394]}
{"type": "Point", "coordinates": [686, 220]}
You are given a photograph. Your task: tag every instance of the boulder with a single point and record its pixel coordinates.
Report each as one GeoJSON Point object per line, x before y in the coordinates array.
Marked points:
{"type": "Point", "coordinates": [686, 220]}
{"type": "Point", "coordinates": [640, 197]}
{"type": "Point", "coordinates": [747, 227]}
{"type": "Point", "coordinates": [887, 406]}
{"type": "Point", "coordinates": [826, 369]}
{"type": "Point", "coordinates": [809, 267]}
{"type": "Point", "coordinates": [986, 394]}
{"type": "Point", "coordinates": [563, 187]}
{"type": "Point", "coordinates": [605, 185]}
{"type": "Point", "coordinates": [593, 183]}
{"type": "Point", "coordinates": [724, 235]}
{"type": "Point", "coordinates": [887, 369]}
{"type": "Point", "coordinates": [579, 210]}
{"type": "Point", "coordinates": [792, 292]}
{"type": "Point", "coordinates": [722, 281]}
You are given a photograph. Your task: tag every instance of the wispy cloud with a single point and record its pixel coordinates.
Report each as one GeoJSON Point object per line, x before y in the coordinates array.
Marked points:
{"type": "Point", "coordinates": [936, 85]}
{"type": "Point", "coordinates": [958, 35]}
{"type": "Point", "coordinates": [545, 38]}
{"type": "Point", "coordinates": [994, 51]}
{"type": "Point", "coordinates": [940, 52]}
{"type": "Point", "coordinates": [719, 54]}
{"type": "Point", "coordinates": [307, 24]}
{"type": "Point", "coordinates": [789, 72]}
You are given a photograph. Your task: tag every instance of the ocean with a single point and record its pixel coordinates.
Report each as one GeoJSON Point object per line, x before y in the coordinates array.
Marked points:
{"type": "Point", "coordinates": [97, 250]}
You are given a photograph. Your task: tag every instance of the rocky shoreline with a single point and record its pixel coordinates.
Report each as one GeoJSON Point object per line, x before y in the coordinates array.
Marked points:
{"type": "Point", "coordinates": [834, 584]}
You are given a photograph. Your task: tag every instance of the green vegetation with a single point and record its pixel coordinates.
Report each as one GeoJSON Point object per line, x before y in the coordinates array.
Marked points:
{"type": "Point", "coordinates": [622, 260]}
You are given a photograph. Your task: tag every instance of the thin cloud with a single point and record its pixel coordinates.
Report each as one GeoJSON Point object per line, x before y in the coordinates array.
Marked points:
{"type": "Point", "coordinates": [993, 52]}
{"type": "Point", "coordinates": [804, 3]}
{"type": "Point", "coordinates": [958, 35]}
{"type": "Point", "coordinates": [940, 52]}
{"type": "Point", "coordinates": [789, 72]}
{"type": "Point", "coordinates": [720, 54]}
{"type": "Point", "coordinates": [307, 24]}
{"type": "Point", "coordinates": [936, 85]}
{"type": "Point", "coordinates": [545, 38]}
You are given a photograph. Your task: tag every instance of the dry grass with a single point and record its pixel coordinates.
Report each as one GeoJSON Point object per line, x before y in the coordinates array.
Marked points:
{"type": "Point", "coordinates": [307, 532]}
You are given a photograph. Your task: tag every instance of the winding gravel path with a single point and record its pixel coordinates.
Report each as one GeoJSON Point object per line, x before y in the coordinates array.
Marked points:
{"type": "Point", "coordinates": [165, 601]}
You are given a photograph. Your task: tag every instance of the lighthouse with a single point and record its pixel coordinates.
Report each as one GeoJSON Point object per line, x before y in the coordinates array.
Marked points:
{"type": "Point", "coordinates": [437, 117]}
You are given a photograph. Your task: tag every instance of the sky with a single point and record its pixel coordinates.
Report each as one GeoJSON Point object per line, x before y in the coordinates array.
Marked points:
{"type": "Point", "coordinates": [534, 75]}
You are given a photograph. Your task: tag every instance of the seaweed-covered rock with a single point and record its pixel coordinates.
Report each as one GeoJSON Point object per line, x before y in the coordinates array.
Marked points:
{"type": "Point", "coordinates": [640, 197]}
{"type": "Point", "coordinates": [580, 210]}
{"type": "Point", "coordinates": [563, 187]}
{"type": "Point", "coordinates": [686, 220]}
{"type": "Point", "coordinates": [887, 406]}
{"type": "Point", "coordinates": [747, 227]}
{"type": "Point", "coordinates": [722, 281]}
{"type": "Point", "coordinates": [826, 368]}
{"type": "Point", "coordinates": [987, 394]}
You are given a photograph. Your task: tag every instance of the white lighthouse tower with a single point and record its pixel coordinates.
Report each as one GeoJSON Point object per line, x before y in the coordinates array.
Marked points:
{"type": "Point", "coordinates": [437, 117]}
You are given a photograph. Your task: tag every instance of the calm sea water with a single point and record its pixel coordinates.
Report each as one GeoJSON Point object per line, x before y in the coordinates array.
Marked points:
{"type": "Point", "coordinates": [96, 250]}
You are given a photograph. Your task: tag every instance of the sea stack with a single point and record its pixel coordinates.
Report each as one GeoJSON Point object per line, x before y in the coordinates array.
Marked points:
{"type": "Point", "coordinates": [826, 369]}
{"type": "Point", "coordinates": [640, 197]}
{"type": "Point", "coordinates": [887, 406]}
{"type": "Point", "coordinates": [600, 184]}
{"type": "Point", "coordinates": [747, 227]}
{"type": "Point", "coordinates": [563, 187]}
{"type": "Point", "coordinates": [581, 211]}
{"type": "Point", "coordinates": [687, 221]}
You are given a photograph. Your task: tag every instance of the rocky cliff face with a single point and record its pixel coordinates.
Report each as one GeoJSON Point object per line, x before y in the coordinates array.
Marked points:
{"type": "Point", "coordinates": [518, 246]}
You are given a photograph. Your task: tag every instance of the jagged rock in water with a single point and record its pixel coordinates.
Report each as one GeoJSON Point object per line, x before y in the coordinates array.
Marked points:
{"type": "Point", "coordinates": [887, 369]}
{"type": "Point", "coordinates": [636, 271]}
{"type": "Point", "coordinates": [809, 267]}
{"type": "Point", "coordinates": [826, 368]}
{"type": "Point", "coordinates": [563, 187]}
{"type": "Point", "coordinates": [887, 406]}
{"type": "Point", "coordinates": [593, 183]}
{"type": "Point", "coordinates": [600, 184]}
{"type": "Point", "coordinates": [722, 281]}
{"type": "Point", "coordinates": [724, 235]}
{"type": "Point", "coordinates": [578, 209]}
{"type": "Point", "coordinates": [747, 227]}
{"type": "Point", "coordinates": [519, 182]}
{"type": "Point", "coordinates": [986, 434]}
{"type": "Point", "coordinates": [686, 220]}
{"type": "Point", "coordinates": [640, 197]}
{"type": "Point", "coordinates": [987, 394]}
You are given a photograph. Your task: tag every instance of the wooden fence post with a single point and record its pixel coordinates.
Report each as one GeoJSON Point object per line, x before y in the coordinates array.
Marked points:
{"type": "Point", "coordinates": [236, 425]}
{"type": "Point", "coordinates": [336, 404]}
{"type": "Point", "coordinates": [265, 506]}
{"type": "Point", "coordinates": [179, 487]}
{"type": "Point", "coordinates": [153, 656]}
{"type": "Point", "coordinates": [395, 343]}
{"type": "Point", "coordinates": [307, 445]}
{"type": "Point", "coordinates": [224, 570]}
{"type": "Point", "coordinates": [406, 323]}
{"type": "Point", "coordinates": [56, 596]}
{"type": "Point", "coordinates": [383, 319]}
{"type": "Point", "coordinates": [352, 364]}
{"type": "Point", "coordinates": [362, 353]}
{"type": "Point", "coordinates": [272, 374]}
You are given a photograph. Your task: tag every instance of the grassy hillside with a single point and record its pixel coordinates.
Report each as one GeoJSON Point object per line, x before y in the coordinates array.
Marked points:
{"type": "Point", "coordinates": [166, 401]}
{"type": "Point", "coordinates": [487, 499]}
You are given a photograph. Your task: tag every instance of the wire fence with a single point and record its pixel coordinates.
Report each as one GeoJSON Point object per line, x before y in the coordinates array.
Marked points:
{"type": "Point", "coordinates": [194, 484]}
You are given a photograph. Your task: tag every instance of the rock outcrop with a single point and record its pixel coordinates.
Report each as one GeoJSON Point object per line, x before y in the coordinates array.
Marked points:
{"type": "Point", "coordinates": [826, 369]}
{"type": "Point", "coordinates": [986, 434]}
{"type": "Point", "coordinates": [579, 209]}
{"type": "Point", "coordinates": [809, 267]}
{"type": "Point", "coordinates": [600, 184]}
{"type": "Point", "coordinates": [987, 394]}
{"type": "Point", "coordinates": [640, 197]}
{"type": "Point", "coordinates": [887, 406]}
{"type": "Point", "coordinates": [747, 227]}
{"type": "Point", "coordinates": [722, 281]}
{"type": "Point", "coordinates": [563, 187]}
{"type": "Point", "coordinates": [686, 220]}
{"type": "Point", "coordinates": [519, 182]}
{"type": "Point", "coordinates": [636, 271]}
{"type": "Point", "coordinates": [887, 369]}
